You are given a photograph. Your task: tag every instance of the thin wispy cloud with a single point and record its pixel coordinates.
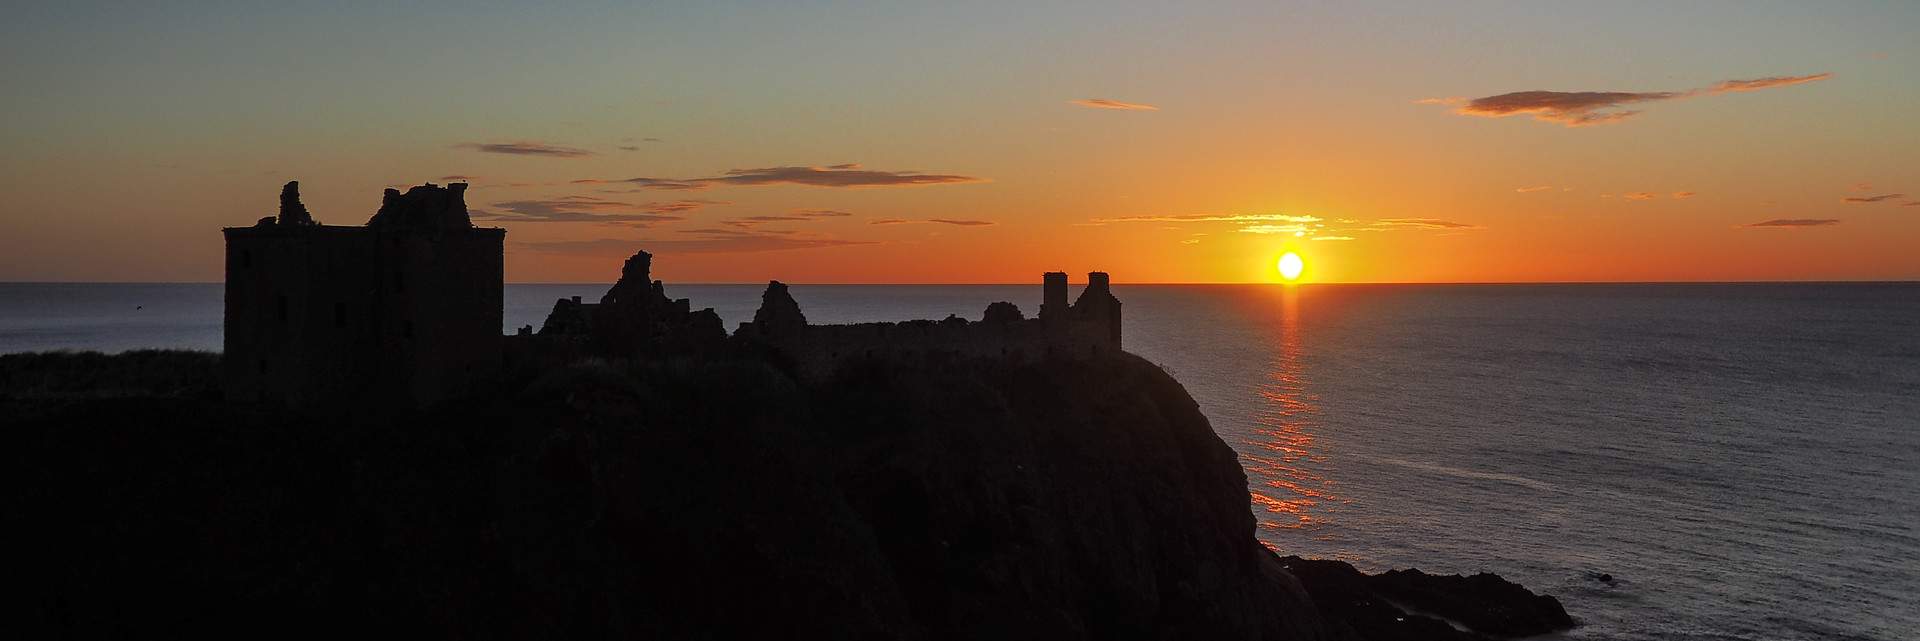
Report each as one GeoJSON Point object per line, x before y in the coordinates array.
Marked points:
{"type": "Point", "coordinates": [822, 213]}
{"type": "Point", "coordinates": [457, 178]}
{"type": "Point", "coordinates": [525, 148]}
{"type": "Point", "coordinates": [1683, 195]}
{"type": "Point", "coordinates": [1858, 200]}
{"type": "Point", "coordinates": [1588, 108]}
{"type": "Point", "coordinates": [708, 241]}
{"type": "Point", "coordinates": [1333, 238]}
{"type": "Point", "coordinates": [847, 175]}
{"type": "Point", "coordinates": [755, 221]}
{"type": "Point", "coordinates": [1796, 222]}
{"type": "Point", "coordinates": [586, 209]}
{"type": "Point", "coordinates": [1640, 195]}
{"type": "Point", "coordinates": [961, 222]}
{"type": "Point", "coordinates": [1106, 103]}
{"type": "Point", "coordinates": [1529, 190]}
{"type": "Point", "coordinates": [1425, 223]}
{"type": "Point", "coordinates": [1212, 218]}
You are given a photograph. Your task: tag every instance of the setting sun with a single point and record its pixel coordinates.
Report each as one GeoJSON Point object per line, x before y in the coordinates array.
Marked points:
{"type": "Point", "coordinates": [1291, 265]}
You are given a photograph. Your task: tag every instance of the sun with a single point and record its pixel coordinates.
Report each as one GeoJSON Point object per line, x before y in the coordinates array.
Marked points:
{"type": "Point", "coordinates": [1291, 266]}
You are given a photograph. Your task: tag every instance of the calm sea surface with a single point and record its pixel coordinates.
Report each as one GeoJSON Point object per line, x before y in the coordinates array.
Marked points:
{"type": "Point", "coordinates": [1744, 460]}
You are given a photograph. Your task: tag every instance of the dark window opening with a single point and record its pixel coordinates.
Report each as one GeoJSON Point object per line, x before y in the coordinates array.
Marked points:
{"type": "Point", "coordinates": [280, 308]}
{"type": "Point", "coordinates": [399, 281]}
{"type": "Point", "coordinates": [406, 329]}
{"type": "Point", "coordinates": [246, 258]}
{"type": "Point", "coordinates": [263, 367]}
{"type": "Point", "coordinates": [339, 314]}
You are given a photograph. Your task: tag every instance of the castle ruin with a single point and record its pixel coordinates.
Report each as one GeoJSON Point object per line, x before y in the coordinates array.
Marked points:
{"type": "Point", "coordinates": [407, 309]}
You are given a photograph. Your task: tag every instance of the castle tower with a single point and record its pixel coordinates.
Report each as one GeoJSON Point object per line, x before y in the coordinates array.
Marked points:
{"type": "Point", "coordinates": [406, 309]}
{"type": "Point", "coordinates": [1053, 300]}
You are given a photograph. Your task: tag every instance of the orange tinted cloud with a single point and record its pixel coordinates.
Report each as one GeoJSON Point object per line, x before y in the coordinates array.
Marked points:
{"type": "Point", "coordinates": [525, 149]}
{"type": "Point", "coordinates": [587, 209]}
{"type": "Point", "coordinates": [1103, 103]}
{"type": "Point", "coordinates": [847, 175]}
{"type": "Point", "coordinates": [1796, 222]}
{"type": "Point", "coordinates": [1587, 108]}
{"type": "Point", "coordinates": [1855, 200]}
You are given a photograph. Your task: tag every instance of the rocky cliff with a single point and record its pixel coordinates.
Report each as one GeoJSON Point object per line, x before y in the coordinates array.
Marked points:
{"type": "Point", "coordinates": [717, 498]}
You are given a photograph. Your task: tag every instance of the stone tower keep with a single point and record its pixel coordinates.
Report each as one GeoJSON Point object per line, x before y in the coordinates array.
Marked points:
{"type": "Point", "coordinates": [405, 309]}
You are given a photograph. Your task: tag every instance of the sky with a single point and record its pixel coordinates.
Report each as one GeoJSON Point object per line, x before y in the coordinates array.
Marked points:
{"type": "Point", "coordinates": [986, 142]}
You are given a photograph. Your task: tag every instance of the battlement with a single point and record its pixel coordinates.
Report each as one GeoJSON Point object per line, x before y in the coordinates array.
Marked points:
{"type": "Point", "coordinates": [1088, 328]}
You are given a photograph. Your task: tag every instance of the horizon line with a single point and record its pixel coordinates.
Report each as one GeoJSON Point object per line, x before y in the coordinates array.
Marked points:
{"type": "Point", "coordinates": [1915, 280]}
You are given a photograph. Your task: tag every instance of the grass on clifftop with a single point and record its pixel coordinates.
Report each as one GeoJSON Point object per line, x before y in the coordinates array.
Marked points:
{"type": "Point", "coordinates": [139, 373]}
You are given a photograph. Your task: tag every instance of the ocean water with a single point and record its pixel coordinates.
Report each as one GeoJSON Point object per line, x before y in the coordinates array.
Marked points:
{"type": "Point", "coordinates": [1744, 460]}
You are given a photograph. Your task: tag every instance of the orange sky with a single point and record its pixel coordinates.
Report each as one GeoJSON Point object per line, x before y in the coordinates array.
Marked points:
{"type": "Point", "coordinates": [881, 144]}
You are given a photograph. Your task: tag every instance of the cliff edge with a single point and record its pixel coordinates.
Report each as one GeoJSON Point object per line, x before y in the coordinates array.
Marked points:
{"type": "Point", "coordinates": [673, 499]}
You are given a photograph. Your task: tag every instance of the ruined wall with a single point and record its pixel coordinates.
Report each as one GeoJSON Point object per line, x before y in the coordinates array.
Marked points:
{"type": "Point", "coordinates": [317, 313]}
{"type": "Point", "coordinates": [818, 349]}
{"type": "Point", "coordinates": [1091, 326]}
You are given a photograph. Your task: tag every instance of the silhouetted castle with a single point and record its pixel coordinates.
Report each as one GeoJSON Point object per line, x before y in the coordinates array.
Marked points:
{"type": "Point", "coordinates": [405, 308]}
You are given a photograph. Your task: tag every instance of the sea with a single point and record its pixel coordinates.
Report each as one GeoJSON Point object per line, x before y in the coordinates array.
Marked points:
{"type": "Point", "coordinates": [1741, 460]}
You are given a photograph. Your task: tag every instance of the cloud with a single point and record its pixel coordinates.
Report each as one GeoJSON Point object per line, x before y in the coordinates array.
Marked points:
{"type": "Point", "coordinates": [628, 148]}
{"type": "Point", "coordinates": [1529, 190]}
{"type": "Point", "coordinates": [712, 241]}
{"type": "Point", "coordinates": [847, 175]}
{"type": "Point", "coordinates": [458, 178]}
{"type": "Point", "coordinates": [1333, 238]}
{"type": "Point", "coordinates": [822, 213]}
{"type": "Point", "coordinates": [1428, 223]}
{"type": "Point", "coordinates": [586, 209]}
{"type": "Point", "coordinates": [1190, 241]}
{"type": "Point", "coordinates": [1911, 203]}
{"type": "Point", "coordinates": [1796, 222]}
{"type": "Point", "coordinates": [1640, 195]}
{"type": "Point", "coordinates": [1855, 200]}
{"type": "Point", "coordinates": [1756, 84]}
{"type": "Point", "coordinates": [1212, 218]}
{"type": "Point", "coordinates": [1862, 186]}
{"type": "Point", "coordinates": [1273, 229]}
{"type": "Point", "coordinates": [1104, 103]}
{"type": "Point", "coordinates": [1588, 108]}
{"type": "Point", "coordinates": [943, 221]}
{"type": "Point", "coordinates": [525, 149]}
{"type": "Point", "coordinates": [1683, 195]}
{"type": "Point", "coordinates": [754, 221]}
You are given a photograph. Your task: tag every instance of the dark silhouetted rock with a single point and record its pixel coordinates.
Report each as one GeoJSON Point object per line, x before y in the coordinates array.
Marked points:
{"type": "Point", "coordinates": [1484, 602]}
{"type": "Point", "coordinates": [1002, 312]}
{"type": "Point", "coordinates": [1371, 604]}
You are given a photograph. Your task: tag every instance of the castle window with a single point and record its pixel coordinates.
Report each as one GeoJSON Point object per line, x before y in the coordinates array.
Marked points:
{"type": "Point", "coordinates": [263, 367]}
{"type": "Point", "coordinates": [406, 329]}
{"type": "Point", "coordinates": [399, 281]}
{"type": "Point", "coordinates": [339, 314]}
{"type": "Point", "coordinates": [280, 308]}
{"type": "Point", "coordinates": [246, 258]}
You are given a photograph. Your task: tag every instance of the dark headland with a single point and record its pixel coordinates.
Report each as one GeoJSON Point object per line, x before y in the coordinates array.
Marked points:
{"type": "Point", "coordinates": [363, 461]}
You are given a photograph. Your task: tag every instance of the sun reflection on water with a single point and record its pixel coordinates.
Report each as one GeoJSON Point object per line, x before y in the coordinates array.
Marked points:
{"type": "Point", "coordinates": [1285, 484]}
